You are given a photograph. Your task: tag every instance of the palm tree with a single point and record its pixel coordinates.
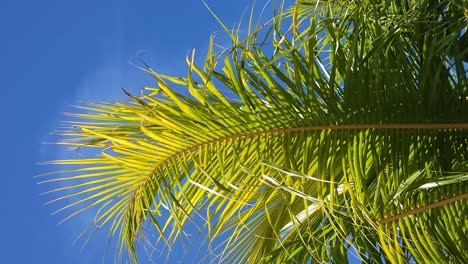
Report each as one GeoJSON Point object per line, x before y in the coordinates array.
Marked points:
{"type": "Point", "coordinates": [337, 128]}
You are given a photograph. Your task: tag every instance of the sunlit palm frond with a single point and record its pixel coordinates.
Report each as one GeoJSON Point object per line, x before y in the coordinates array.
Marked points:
{"type": "Point", "coordinates": [333, 130]}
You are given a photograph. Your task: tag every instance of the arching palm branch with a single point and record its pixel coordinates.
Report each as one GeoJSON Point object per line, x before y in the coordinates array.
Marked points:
{"type": "Point", "coordinates": [338, 127]}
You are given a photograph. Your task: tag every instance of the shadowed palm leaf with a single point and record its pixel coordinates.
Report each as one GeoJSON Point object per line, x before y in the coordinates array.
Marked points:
{"type": "Point", "coordinates": [337, 127]}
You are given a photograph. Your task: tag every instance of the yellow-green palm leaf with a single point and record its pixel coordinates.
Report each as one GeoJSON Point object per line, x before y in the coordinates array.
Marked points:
{"type": "Point", "coordinates": [337, 127]}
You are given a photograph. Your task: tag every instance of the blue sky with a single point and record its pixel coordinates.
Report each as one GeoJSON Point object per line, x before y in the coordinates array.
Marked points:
{"type": "Point", "coordinates": [55, 54]}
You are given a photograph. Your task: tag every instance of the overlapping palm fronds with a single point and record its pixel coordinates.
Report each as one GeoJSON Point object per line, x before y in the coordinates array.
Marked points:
{"type": "Point", "coordinates": [339, 128]}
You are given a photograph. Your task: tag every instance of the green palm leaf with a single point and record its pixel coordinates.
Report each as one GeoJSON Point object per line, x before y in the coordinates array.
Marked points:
{"type": "Point", "coordinates": [335, 128]}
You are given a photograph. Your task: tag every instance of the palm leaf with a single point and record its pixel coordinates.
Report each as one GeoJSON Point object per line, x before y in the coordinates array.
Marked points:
{"type": "Point", "coordinates": [321, 141]}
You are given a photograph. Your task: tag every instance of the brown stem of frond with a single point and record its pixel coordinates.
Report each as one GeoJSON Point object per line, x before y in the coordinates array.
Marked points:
{"type": "Point", "coordinates": [451, 126]}
{"type": "Point", "coordinates": [424, 208]}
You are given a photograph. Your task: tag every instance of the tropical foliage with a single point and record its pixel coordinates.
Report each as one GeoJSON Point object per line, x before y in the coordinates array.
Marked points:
{"type": "Point", "coordinates": [336, 128]}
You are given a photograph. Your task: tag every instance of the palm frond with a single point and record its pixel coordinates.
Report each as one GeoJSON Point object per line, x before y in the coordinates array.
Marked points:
{"type": "Point", "coordinates": [334, 129]}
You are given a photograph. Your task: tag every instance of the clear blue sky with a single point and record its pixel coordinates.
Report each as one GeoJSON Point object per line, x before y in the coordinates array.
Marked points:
{"type": "Point", "coordinates": [57, 53]}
